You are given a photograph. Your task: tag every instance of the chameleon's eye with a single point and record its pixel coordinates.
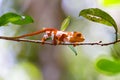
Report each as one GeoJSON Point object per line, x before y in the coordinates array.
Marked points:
{"type": "Point", "coordinates": [78, 35]}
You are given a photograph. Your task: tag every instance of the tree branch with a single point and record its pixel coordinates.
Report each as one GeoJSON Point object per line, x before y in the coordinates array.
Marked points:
{"type": "Point", "coordinates": [50, 43]}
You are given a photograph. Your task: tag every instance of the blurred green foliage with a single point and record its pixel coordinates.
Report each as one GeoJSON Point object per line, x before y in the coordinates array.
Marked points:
{"type": "Point", "coordinates": [97, 15]}
{"type": "Point", "coordinates": [25, 71]}
{"type": "Point", "coordinates": [31, 69]}
{"type": "Point", "coordinates": [78, 67]}
{"type": "Point", "coordinates": [111, 2]}
{"type": "Point", "coordinates": [108, 66]}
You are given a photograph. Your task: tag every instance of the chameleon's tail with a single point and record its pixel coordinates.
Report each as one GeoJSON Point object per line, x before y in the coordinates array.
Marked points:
{"type": "Point", "coordinates": [37, 32]}
{"type": "Point", "coordinates": [30, 34]}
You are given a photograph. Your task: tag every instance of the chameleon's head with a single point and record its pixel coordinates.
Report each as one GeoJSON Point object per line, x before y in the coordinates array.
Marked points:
{"type": "Point", "coordinates": [77, 37]}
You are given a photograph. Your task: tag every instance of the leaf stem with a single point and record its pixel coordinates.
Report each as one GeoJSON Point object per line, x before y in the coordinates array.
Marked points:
{"type": "Point", "coordinates": [116, 36]}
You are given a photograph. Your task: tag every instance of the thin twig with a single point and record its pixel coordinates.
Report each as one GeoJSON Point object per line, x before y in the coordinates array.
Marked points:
{"type": "Point", "coordinates": [50, 43]}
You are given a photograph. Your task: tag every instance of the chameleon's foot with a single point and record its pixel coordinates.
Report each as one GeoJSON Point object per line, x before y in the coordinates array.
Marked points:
{"type": "Point", "coordinates": [54, 43]}
{"type": "Point", "coordinates": [75, 44]}
{"type": "Point", "coordinates": [58, 42]}
{"type": "Point", "coordinates": [42, 41]}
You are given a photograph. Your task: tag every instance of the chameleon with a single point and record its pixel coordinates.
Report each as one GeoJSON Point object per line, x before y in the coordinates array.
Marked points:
{"type": "Point", "coordinates": [57, 36]}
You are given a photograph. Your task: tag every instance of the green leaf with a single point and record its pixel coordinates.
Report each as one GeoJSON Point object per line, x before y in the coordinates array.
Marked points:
{"type": "Point", "coordinates": [100, 16]}
{"type": "Point", "coordinates": [23, 20]}
{"type": "Point", "coordinates": [108, 67]}
{"type": "Point", "coordinates": [15, 19]}
{"type": "Point", "coordinates": [73, 49]}
{"type": "Point", "coordinates": [65, 23]}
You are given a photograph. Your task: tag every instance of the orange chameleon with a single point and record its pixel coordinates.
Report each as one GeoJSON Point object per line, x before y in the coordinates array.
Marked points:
{"type": "Point", "coordinates": [57, 36]}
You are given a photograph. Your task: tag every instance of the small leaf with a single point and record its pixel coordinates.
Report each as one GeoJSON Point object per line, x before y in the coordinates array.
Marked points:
{"type": "Point", "coordinates": [65, 23]}
{"type": "Point", "coordinates": [97, 15]}
{"type": "Point", "coordinates": [107, 66]}
{"type": "Point", "coordinates": [15, 19]}
{"type": "Point", "coordinates": [73, 49]}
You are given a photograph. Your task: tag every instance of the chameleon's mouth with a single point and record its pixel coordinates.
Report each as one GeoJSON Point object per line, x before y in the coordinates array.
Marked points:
{"type": "Point", "coordinates": [82, 39]}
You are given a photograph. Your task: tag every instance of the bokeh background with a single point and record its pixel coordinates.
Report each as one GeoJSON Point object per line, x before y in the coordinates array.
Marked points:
{"type": "Point", "coordinates": [28, 61]}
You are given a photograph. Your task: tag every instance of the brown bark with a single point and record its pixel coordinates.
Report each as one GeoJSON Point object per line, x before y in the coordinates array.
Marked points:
{"type": "Point", "coordinates": [48, 13]}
